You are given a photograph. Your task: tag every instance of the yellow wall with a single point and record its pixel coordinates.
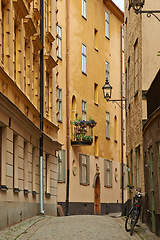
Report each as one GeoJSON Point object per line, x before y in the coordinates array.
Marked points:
{"type": "Point", "coordinates": [82, 87]}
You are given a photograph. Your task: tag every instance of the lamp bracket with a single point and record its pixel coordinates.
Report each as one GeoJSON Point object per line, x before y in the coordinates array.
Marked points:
{"type": "Point", "coordinates": [149, 13]}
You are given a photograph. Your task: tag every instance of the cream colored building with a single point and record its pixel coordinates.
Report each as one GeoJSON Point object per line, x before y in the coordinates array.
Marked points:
{"type": "Point", "coordinates": [141, 66]}
{"type": "Point", "coordinates": [89, 51]}
{"type": "Point", "coordinates": [20, 132]}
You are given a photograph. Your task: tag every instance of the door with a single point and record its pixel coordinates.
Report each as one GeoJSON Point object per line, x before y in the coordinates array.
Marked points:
{"type": "Point", "coordinates": [152, 191]}
{"type": "Point", "coordinates": [97, 197]}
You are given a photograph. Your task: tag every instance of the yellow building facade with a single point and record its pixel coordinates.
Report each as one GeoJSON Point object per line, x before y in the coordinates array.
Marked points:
{"type": "Point", "coordinates": [89, 51]}
{"type": "Point", "coordinates": [20, 131]}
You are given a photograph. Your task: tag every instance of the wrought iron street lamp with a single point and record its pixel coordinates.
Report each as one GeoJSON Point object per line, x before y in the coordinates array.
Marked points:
{"type": "Point", "coordinates": [137, 5]}
{"type": "Point", "coordinates": [107, 90]}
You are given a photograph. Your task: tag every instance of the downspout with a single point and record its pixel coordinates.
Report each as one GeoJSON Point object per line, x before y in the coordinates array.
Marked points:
{"type": "Point", "coordinates": [67, 107]}
{"type": "Point", "coordinates": [121, 72]}
{"type": "Point", "coordinates": [41, 105]}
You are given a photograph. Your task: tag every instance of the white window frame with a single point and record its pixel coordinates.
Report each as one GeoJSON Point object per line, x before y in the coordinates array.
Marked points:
{"type": "Point", "coordinates": [84, 58]}
{"type": "Point", "coordinates": [123, 39]}
{"type": "Point", "coordinates": [84, 110]}
{"type": "Point", "coordinates": [61, 166]}
{"type": "Point", "coordinates": [59, 41]}
{"type": "Point", "coordinates": [107, 125]}
{"type": "Point", "coordinates": [84, 169]}
{"type": "Point", "coordinates": [136, 66]}
{"type": "Point", "coordinates": [84, 9]}
{"type": "Point", "coordinates": [107, 173]}
{"type": "Point", "coordinates": [59, 102]}
{"type": "Point", "coordinates": [107, 70]}
{"type": "Point", "coordinates": [107, 24]}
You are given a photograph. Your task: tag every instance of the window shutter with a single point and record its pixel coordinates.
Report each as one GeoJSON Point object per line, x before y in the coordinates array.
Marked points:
{"type": "Point", "coordinates": [110, 173]}
{"type": "Point", "coordinates": [80, 166]}
{"type": "Point", "coordinates": [105, 171]}
{"type": "Point", "coordinates": [63, 165]}
{"type": "Point", "coordinates": [88, 170]}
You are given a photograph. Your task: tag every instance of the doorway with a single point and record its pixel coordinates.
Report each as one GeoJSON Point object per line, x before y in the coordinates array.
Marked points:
{"type": "Point", "coordinates": [97, 196]}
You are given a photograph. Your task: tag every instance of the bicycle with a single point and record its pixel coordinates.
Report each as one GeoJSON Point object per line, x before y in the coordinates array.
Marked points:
{"type": "Point", "coordinates": [134, 213]}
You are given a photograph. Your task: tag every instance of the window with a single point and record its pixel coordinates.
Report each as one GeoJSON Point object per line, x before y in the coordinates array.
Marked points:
{"type": "Point", "coordinates": [123, 131]}
{"type": "Point", "coordinates": [26, 158]}
{"type": "Point", "coordinates": [129, 94]}
{"type": "Point", "coordinates": [107, 24]}
{"type": "Point", "coordinates": [107, 173]}
{"type": "Point", "coordinates": [108, 125]}
{"type": "Point", "coordinates": [47, 93]}
{"type": "Point", "coordinates": [84, 110]}
{"type": "Point", "coordinates": [107, 70]}
{"type": "Point", "coordinates": [131, 168]}
{"type": "Point", "coordinates": [124, 176]}
{"type": "Point", "coordinates": [0, 154]}
{"type": "Point", "coordinates": [122, 39]}
{"type": "Point", "coordinates": [115, 128]}
{"type": "Point", "coordinates": [123, 85]}
{"type": "Point", "coordinates": [96, 39]}
{"type": "Point", "coordinates": [96, 93]}
{"type": "Point", "coordinates": [84, 161]}
{"type": "Point", "coordinates": [46, 16]}
{"type": "Point", "coordinates": [84, 59]}
{"type": "Point", "coordinates": [34, 156]}
{"type": "Point", "coordinates": [96, 150]}
{"type": "Point", "coordinates": [84, 8]}
{"type": "Point", "coordinates": [59, 42]}
{"type": "Point", "coordinates": [15, 35]}
{"type": "Point", "coordinates": [61, 166]}
{"type": "Point", "coordinates": [158, 146]}
{"type": "Point", "coordinates": [136, 66]}
{"type": "Point", "coordinates": [138, 181]}
{"type": "Point", "coordinates": [59, 99]}
{"type": "Point", "coordinates": [2, 26]}
{"type": "Point", "coordinates": [47, 174]}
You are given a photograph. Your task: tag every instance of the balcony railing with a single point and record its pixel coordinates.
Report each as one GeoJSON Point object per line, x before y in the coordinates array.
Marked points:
{"type": "Point", "coordinates": [82, 132]}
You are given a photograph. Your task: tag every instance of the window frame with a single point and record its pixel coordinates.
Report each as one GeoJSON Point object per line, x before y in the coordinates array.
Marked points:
{"type": "Point", "coordinates": [61, 166]}
{"type": "Point", "coordinates": [108, 170]}
{"type": "Point", "coordinates": [108, 125]}
{"type": "Point", "coordinates": [84, 59]}
{"type": "Point", "coordinates": [138, 168]}
{"type": "Point", "coordinates": [136, 67]}
{"type": "Point", "coordinates": [107, 25]}
{"type": "Point", "coordinates": [59, 104]}
{"type": "Point", "coordinates": [59, 42]}
{"type": "Point", "coordinates": [85, 166]}
{"type": "Point", "coordinates": [84, 110]}
{"type": "Point", "coordinates": [107, 70]}
{"type": "Point", "coordinates": [84, 9]}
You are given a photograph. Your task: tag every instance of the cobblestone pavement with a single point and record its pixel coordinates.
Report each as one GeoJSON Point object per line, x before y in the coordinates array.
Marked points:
{"type": "Point", "coordinates": [74, 228]}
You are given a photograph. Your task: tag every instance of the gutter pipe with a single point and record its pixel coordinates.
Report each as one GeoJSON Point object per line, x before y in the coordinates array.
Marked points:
{"type": "Point", "coordinates": [41, 104]}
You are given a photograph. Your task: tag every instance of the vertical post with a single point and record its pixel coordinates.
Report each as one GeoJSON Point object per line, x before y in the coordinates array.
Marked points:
{"type": "Point", "coordinates": [122, 174]}
{"type": "Point", "coordinates": [41, 104]}
{"type": "Point", "coordinates": [67, 107]}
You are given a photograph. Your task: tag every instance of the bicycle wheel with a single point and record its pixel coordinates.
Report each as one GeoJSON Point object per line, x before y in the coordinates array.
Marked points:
{"type": "Point", "coordinates": [128, 221]}
{"type": "Point", "coordinates": [133, 220]}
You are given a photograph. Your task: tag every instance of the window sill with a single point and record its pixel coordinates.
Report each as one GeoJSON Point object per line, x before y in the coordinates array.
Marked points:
{"type": "Point", "coordinates": [60, 121]}
{"type": "Point", "coordinates": [84, 73]}
{"type": "Point", "coordinates": [47, 194]}
{"type": "Point", "coordinates": [96, 49]}
{"type": "Point", "coordinates": [59, 58]}
{"type": "Point", "coordinates": [16, 190]}
{"type": "Point", "coordinates": [84, 17]}
{"type": "Point", "coordinates": [115, 141]}
{"type": "Point", "coordinates": [107, 37]}
{"type": "Point", "coordinates": [84, 184]}
{"type": "Point", "coordinates": [96, 104]}
{"type": "Point", "coordinates": [26, 191]}
{"type": "Point", "coordinates": [34, 193]}
{"type": "Point", "coordinates": [3, 188]}
{"type": "Point", "coordinates": [97, 157]}
{"type": "Point", "coordinates": [59, 181]}
{"type": "Point", "coordinates": [136, 93]}
{"type": "Point", "coordinates": [107, 138]}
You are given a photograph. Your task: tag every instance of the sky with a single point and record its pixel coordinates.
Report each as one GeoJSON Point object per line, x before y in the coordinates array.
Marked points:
{"type": "Point", "coordinates": [119, 3]}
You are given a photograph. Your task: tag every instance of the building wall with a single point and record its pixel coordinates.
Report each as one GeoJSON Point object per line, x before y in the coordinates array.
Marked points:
{"type": "Point", "coordinates": [138, 27]}
{"type": "Point", "coordinates": [81, 87]}
{"type": "Point", "coordinates": [20, 46]}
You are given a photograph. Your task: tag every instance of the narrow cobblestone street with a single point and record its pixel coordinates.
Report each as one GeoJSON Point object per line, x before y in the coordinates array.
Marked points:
{"type": "Point", "coordinates": [73, 228]}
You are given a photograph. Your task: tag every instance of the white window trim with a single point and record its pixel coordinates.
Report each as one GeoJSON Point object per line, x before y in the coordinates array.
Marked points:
{"type": "Point", "coordinates": [84, 59]}
{"type": "Point", "coordinates": [59, 41]}
{"type": "Point", "coordinates": [84, 9]}
{"type": "Point", "coordinates": [107, 28]}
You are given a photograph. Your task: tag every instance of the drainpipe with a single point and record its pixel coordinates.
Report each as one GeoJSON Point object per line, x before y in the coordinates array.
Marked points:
{"type": "Point", "coordinates": [67, 107]}
{"type": "Point", "coordinates": [122, 173]}
{"type": "Point", "coordinates": [41, 105]}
